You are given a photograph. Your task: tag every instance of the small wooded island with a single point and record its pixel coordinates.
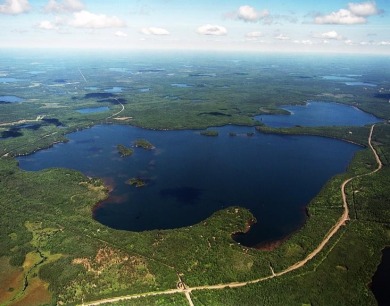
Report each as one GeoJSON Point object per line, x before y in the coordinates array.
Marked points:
{"type": "Point", "coordinates": [124, 151]}
{"type": "Point", "coordinates": [144, 144]}
{"type": "Point", "coordinates": [209, 133]}
{"type": "Point", "coordinates": [136, 181]}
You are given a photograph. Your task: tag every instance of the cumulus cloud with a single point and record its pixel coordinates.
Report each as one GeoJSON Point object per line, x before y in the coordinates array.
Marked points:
{"type": "Point", "coordinates": [120, 34]}
{"type": "Point", "coordinates": [154, 31]}
{"type": "Point", "coordinates": [65, 6]}
{"type": "Point", "coordinates": [47, 25]}
{"type": "Point", "coordinates": [342, 16]}
{"type": "Point", "coordinates": [384, 43]}
{"type": "Point", "coordinates": [331, 35]}
{"type": "Point", "coordinates": [85, 19]}
{"type": "Point", "coordinates": [363, 9]}
{"type": "Point", "coordinates": [250, 14]}
{"type": "Point", "coordinates": [356, 13]}
{"type": "Point", "coordinates": [209, 29]}
{"type": "Point", "coordinates": [15, 7]}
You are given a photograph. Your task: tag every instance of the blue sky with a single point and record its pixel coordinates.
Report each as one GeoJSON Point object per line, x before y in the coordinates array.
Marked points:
{"type": "Point", "coordinates": [272, 26]}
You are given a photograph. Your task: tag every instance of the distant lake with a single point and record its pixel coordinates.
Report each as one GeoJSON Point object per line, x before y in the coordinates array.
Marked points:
{"type": "Point", "coordinates": [350, 80]}
{"type": "Point", "coordinates": [190, 176]}
{"type": "Point", "coordinates": [92, 110]}
{"type": "Point", "coordinates": [360, 84]}
{"type": "Point", "coordinates": [114, 90]}
{"type": "Point", "coordinates": [181, 85]}
{"type": "Point", "coordinates": [10, 99]}
{"type": "Point", "coordinates": [338, 78]}
{"type": "Point", "coordinates": [9, 80]}
{"type": "Point", "coordinates": [319, 114]}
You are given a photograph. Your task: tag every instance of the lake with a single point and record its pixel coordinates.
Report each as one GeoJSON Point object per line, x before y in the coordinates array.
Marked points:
{"type": "Point", "coordinates": [317, 113]}
{"type": "Point", "coordinates": [190, 176]}
{"type": "Point", "coordinates": [92, 110]}
{"type": "Point", "coordinates": [10, 99]}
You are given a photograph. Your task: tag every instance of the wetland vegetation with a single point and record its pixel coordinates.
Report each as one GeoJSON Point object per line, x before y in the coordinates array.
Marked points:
{"type": "Point", "coordinates": [50, 241]}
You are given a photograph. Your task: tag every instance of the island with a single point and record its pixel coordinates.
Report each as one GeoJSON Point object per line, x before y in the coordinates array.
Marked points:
{"type": "Point", "coordinates": [124, 151]}
{"type": "Point", "coordinates": [144, 144]}
{"type": "Point", "coordinates": [137, 182]}
{"type": "Point", "coordinates": [211, 133]}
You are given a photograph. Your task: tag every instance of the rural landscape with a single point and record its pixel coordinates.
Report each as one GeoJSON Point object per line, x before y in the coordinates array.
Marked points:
{"type": "Point", "coordinates": [178, 176]}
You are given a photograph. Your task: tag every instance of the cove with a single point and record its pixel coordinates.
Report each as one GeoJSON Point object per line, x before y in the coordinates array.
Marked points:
{"type": "Point", "coordinates": [190, 176]}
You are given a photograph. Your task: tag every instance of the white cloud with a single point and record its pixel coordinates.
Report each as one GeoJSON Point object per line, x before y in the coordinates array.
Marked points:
{"type": "Point", "coordinates": [154, 31]}
{"type": "Point", "coordinates": [85, 19]}
{"type": "Point", "coordinates": [384, 43]}
{"type": "Point", "coordinates": [356, 13]}
{"type": "Point", "coordinates": [303, 42]}
{"type": "Point", "coordinates": [54, 6]}
{"type": "Point", "coordinates": [342, 16]}
{"type": "Point", "coordinates": [120, 34]}
{"type": "Point", "coordinates": [348, 42]}
{"type": "Point", "coordinates": [363, 9]}
{"type": "Point", "coordinates": [47, 25]}
{"type": "Point", "coordinates": [14, 7]}
{"type": "Point", "coordinates": [254, 34]}
{"type": "Point", "coordinates": [209, 29]}
{"type": "Point", "coordinates": [331, 35]}
{"type": "Point", "coordinates": [250, 14]}
{"type": "Point", "coordinates": [282, 37]}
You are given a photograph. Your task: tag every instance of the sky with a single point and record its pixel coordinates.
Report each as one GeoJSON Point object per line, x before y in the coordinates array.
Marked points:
{"type": "Point", "coordinates": [235, 25]}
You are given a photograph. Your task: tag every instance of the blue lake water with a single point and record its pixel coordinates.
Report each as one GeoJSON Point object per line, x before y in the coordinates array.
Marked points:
{"type": "Point", "coordinates": [114, 90]}
{"type": "Point", "coordinates": [9, 80]}
{"type": "Point", "coordinates": [360, 84]}
{"type": "Point", "coordinates": [35, 72]}
{"type": "Point", "coordinates": [11, 99]}
{"type": "Point", "coordinates": [181, 85]}
{"type": "Point", "coordinates": [92, 110]}
{"type": "Point", "coordinates": [338, 78]}
{"type": "Point", "coordinates": [319, 114]}
{"type": "Point", "coordinates": [190, 176]}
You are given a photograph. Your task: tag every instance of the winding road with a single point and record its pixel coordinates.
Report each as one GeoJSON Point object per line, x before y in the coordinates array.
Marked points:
{"type": "Point", "coordinates": [123, 108]}
{"type": "Point", "coordinates": [335, 228]}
